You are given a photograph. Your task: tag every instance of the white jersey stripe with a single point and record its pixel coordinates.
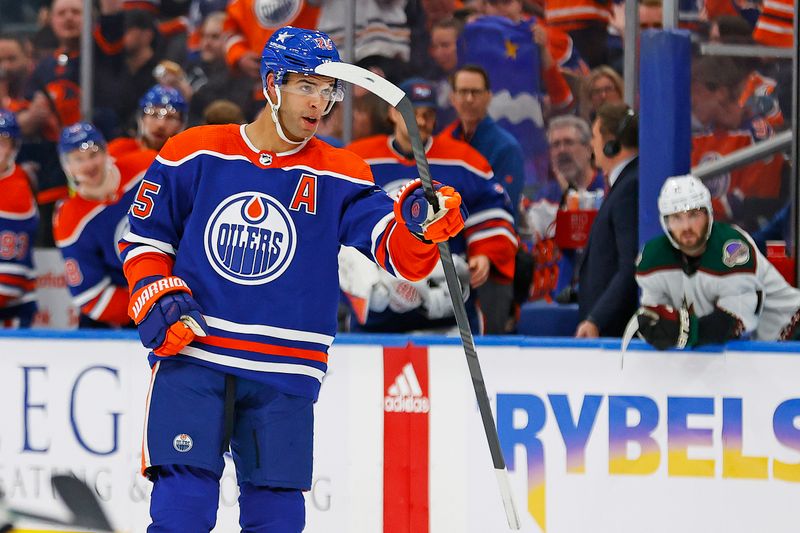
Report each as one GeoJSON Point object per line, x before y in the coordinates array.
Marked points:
{"type": "Point", "coordinates": [331, 174]}
{"type": "Point", "coordinates": [492, 232]}
{"type": "Point", "coordinates": [482, 216]}
{"type": "Point", "coordinates": [379, 228]}
{"type": "Point", "coordinates": [258, 366]}
{"type": "Point", "coordinates": [145, 449]}
{"type": "Point", "coordinates": [191, 156]}
{"type": "Point", "coordinates": [269, 331]}
{"type": "Point", "coordinates": [17, 270]}
{"type": "Point", "coordinates": [19, 216]}
{"type": "Point", "coordinates": [92, 292]}
{"type": "Point", "coordinates": [144, 249]}
{"type": "Point", "coordinates": [102, 303]}
{"type": "Point", "coordinates": [10, 290]}
{"type": "Point", "coordinates": [137, 239]}
{"type": "Point", "coordinates": [459, 163]}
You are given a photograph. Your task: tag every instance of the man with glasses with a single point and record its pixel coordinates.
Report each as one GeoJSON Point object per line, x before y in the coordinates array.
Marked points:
{"type": "Point", "coordinates": [471, 96]}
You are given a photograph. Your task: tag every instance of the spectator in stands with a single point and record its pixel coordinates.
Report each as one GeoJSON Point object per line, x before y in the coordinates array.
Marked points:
{"type": "Point", "coordinates": [209, 62]}
{"type": "Point", "coordinates": [470, 96]}
{"type": "Point", "coordinates": [724, 123]}
{"type": "Point", "coordinates": [87, 226]}
{"type": "Point", "coordinates": [489, 240]}
{"type": "Point", "coordinates": [223, 112]}
{"type": "Point", "coordinates": [52, 97]}
{"type": "Point", "coordinates": [605, 86]}
{"type": "Point", "coordinates": [442, 50]}
{"type": "Point", "coordinates": [370, 116]}
{"type": "Point", "coordinates": [18, 222]}
{"type": "Point", "coordinates": [162, 114]}
{"type": "Point", "coordinates": [140, 62]}
{"type": "Point", "coordinates": [586, 21]}
{"type": "Point", "coordinates": [555, 271]}
{"type": "Point", "coordinates": [250, 23]}
{"type": "Point", "coordinates": [704, 282]}
{"type": "Point", "coordinates": [210, 78]}
{"type": "Point", "coordinates": [651, 15]}
{"type": "Point", "coordinates": [382, 27]}
{"type": "Point", "coordinates": [607, 289]}
{"type": "Point", "coordinates": [15, 67]}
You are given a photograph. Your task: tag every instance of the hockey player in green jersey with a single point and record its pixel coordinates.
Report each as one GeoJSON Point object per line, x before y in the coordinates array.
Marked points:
{"type": "Point", "coordinates": [705, 282]}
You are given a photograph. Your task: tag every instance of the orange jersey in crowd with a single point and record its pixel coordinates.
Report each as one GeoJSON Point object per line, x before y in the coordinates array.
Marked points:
{"type": "Point", "coordinates": [761, 179]}
{"type": "Point", "coordinates": [575, 14]}
{"type": "Point", "coordinates": [87, 231]}
{"type": "Point", "coordinates": [775, 25]}
{"type": "Point", "coordinates": [251, 22]}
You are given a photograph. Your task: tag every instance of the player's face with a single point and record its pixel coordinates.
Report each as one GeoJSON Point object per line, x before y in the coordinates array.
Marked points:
{"type": "Point", "coordinates": [304, 99]}
{"type": "Point", "coordinates": [689, 229]}
{"type": "Point", "coordinates": [470, 97]}
{"type": "Point", "coordinates": [158, 125]}
{"type": "Point", "coordinates": [6, 153]}
{"type": "Point", "coordinates": [426, 120]}
{"type": "Point", "coordinates": [88, 166]}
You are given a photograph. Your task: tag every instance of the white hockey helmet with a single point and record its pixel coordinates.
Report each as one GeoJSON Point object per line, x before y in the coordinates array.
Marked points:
{"type": "Point", "coordinates": [680, 194]}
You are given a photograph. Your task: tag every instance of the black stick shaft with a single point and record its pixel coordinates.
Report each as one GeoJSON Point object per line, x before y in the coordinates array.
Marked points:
{"type": "Point", "coordinates": [407, 111]}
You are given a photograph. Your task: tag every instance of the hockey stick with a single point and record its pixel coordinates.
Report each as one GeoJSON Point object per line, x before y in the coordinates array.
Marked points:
{"type": "Point", "coordinates": [396, 98]}
{"type": "Point", "coordinates": [81, 502]}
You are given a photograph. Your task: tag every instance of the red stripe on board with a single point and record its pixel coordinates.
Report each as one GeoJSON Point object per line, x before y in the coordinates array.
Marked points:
{"type": "Point", "coordinates": [406, 410]}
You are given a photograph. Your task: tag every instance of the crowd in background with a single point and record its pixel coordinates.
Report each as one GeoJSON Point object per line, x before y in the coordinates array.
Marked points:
{"type": "Point", "coordinates": [524, 83]}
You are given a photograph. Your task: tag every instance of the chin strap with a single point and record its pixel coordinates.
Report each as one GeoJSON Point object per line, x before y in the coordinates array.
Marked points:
{"type": "Point", "coordinates": [274, 114]}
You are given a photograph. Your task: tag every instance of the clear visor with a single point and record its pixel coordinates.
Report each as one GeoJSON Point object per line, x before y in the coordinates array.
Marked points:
{"type": "Point", "coordinates": [162, 112]}
{"type": "Point", "coordinates": [304, 88]}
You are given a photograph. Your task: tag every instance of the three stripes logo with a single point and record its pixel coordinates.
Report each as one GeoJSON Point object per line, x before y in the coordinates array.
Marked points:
{"type": "Point", "coordinates": [405, 394]}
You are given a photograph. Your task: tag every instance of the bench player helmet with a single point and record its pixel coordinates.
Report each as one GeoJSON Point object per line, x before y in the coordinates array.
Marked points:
{"type": "Point", "coordinates": [299, 51]}
{"type": "Point", "coordinates": [162, 97]}
{"type": "Point", "coordinates": [8, 125]}
{"type": "Point", "coordinates": [81, 136]}
{"type": "Point", "coordinates": [680, 194]}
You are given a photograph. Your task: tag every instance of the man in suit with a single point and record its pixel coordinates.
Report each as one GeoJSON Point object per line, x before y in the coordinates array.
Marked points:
{"type": "Point", "coordinates": [607, 294]}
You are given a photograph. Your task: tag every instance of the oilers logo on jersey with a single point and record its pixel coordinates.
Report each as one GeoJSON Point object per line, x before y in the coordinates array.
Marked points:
{"type": "Point", "coordinates": [273, 13]}
{"type": "Point", "coordinates": [250, 239]}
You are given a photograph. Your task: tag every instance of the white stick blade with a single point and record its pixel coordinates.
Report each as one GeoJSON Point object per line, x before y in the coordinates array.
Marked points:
{"type": "Point", "coordinates": [508, 499]}
{"type": "Point", "coordinates": [363, 78]}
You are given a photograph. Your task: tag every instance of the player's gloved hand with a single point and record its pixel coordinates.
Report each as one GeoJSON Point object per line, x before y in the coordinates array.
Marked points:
{"type": "Point", "coordinates": [413, 209]}
{"type": "Point", "coordinates": [167, 315]}
{"type": "Point", "coordinates": [664, 327]}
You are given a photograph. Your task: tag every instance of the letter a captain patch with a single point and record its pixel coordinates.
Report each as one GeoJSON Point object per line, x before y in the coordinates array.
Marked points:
{"type": "Point", "coordinates": [305, 196]}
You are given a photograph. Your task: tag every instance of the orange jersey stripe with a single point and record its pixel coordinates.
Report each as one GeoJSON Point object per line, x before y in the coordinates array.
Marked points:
{"type": "Point", "coordinates": [260, 347]}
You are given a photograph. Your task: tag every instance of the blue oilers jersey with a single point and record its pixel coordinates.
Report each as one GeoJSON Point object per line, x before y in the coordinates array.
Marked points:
{"type": "Point", "coordinates": [19, 219]}
{"type": "Point", "coordinates": [489, 228]}
{"type": "Point", "coordinates": [256, 236]}
{"type": "Point", "coordinates": [86, 233]}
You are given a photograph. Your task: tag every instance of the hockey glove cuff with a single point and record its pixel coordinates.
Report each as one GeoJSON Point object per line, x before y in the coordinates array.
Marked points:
{"type": "Point", "coordinates": [167, 315]}
{"type": "Point", "coordinates": [664, 327]}
{"type": "Point", "coordinates": [413, 209]}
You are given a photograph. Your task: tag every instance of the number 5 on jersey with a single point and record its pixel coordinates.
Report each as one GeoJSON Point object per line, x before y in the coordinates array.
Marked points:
{"type": "Point", "coordinates": [142, 206]}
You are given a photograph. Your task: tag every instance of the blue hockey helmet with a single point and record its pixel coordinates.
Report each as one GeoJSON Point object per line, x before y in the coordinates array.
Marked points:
{"type": "Point", "coordinates": [301, 51]}
{"type": "Point", "coordinates": [80, 136]}
{"type": "Point", "coordinates": [163, 97]}
{"type": "Point", "coordinates": [8, 125]}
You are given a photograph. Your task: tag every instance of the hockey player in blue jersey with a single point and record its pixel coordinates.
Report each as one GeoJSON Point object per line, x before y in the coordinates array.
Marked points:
{"type": "Point", "coordinates": [87, 225]}
{"type": "Point", "coordinates": [232, 264]}
{"type": "Point", "coordinates": [19, 220]}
